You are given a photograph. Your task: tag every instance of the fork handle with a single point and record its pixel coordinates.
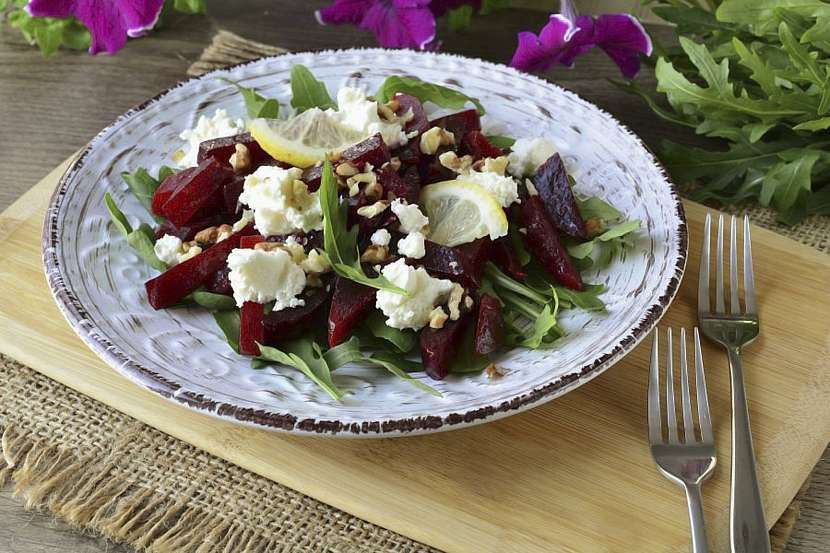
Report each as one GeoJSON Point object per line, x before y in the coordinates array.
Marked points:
{"type": "Point", "coordinates": [747, 524]}
{"type": "Point", "coordinates": [696, 520]}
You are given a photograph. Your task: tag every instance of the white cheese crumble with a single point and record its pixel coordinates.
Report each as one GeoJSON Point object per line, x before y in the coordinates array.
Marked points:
{"type": "Point", "coordinates": [410, 216]}
{"type": "Point", "coordinates": [381, 237]}
{"type": "Point", "coordinates": [281, 202]}
{"type": "Point", "coordinates": [262, 276]}
{"type": "Point", "coordinates": [528, 154]}
{"type": "Point", "coordinates": [503, 188]}
{"type": "Point", "coordinates": [413, 245]}
{"type": "Point", "coordinates": [207, 128]}
{"type": "Point", "coordinates": [425, 292]}
{"type": "Point", "coordinates": [168, 248]}
{"type": "Point", "coordinates": [357, 112]}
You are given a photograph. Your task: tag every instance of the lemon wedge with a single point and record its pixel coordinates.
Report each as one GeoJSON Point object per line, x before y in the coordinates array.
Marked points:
{"type": "Point", "coordinates": [304, 139]}
{"type": "Point", "coordinates": [460, 212]}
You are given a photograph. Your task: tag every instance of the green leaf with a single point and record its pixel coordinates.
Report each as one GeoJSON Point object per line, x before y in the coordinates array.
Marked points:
{"type": "Point", "coordinates": [634, 88]}
{"type": "Point", "coordinates": [229, 323]}
{"type": "Point", "coordinates": [117, 216]}
{"type": "Point", "coordinates": [306, 356]}
{"type": "Point", "coordinates": [459, 19]}
{"type": "Point", "coordinates": [762, 73]}
{"type": "Point", "coordinates": [814, 125]}
{"type": "Point", "coordinates": [543, 329]}
{"type": "Point", "coordinates": [586, 299]}
{"type": "Point", "coordinates": [255, 104]}
{"type": "Point", "coordinates": [403, 340]}
{"type": "Point", "coordinates": [692, 19]}
{"type": "Point", "coordinates": [75, 35]}
{"type": "Point", "coordinates": [214, 302]}
{"type": "Point", "coordinates": [599, 251]}
{"type": "Point", "coordinates": [48, 38]}
{"type": "Point", "coordinates": [142, 241]}
{"type": "Point", "coordinates": [760, 16]}
{"type": "Point", "coordinates": [787, 179]}
{"type": "Point", "coordinates": [500, 141]}
{"type": "Point", "coordinates": [341, 354]}
{"type": "Point", "coordinates": [756, 131]}
{"type": "Point", "coordinates": [800, 56]}
{"type": "Point", "coordinates": [307, 92]}
{"type": "Point", "coordinates": [396, 367]}
{"type": "Point", "coordinates": [426, 92]}
{"type": "Point", "coordinates": [819, 202]}
{"type": "Point", "coordinates": [593, 207]}
{"type": "Point", "coordinates": [190, 6]}
{"type": "Point", "coordinates": [164, 172]}
{"type": "Point", "coordinates": [142, 185]}
{"type": "Point", "coordinates": [819, 33]}
{"type": "Point", "coordinates": [518, 245]}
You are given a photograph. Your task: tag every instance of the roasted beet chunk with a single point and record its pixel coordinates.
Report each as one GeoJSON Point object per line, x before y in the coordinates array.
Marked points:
{"type": "Point", "coordinates": [201, 189]}
{"type": "Point", "coordinates": [221, 149]}
{"type": "Point", "coordinates": [290, 322]}
{"type": "Point", "coordinates": [419, 120]}
{"type": "Point", "coordinates": [251, 329]}
{"type": "Point", "coordinates": [476, 144]}
{"type": "Point", "coordinates": [431, 170]}
{"type": "Point", "coordinates": [551, 180]}
{"type": "Point", "coordinates": [439, 347]}
{"type": "Point", "coordinates": [459, 123]}
{"type": "Point", "coordinates": [312, 177]}
{"type": "Point", "coordinates": [168, 186]}
{"type": "Point", "coordinates": [489, 325]}
{"type": "Point", "coordinates": [219, 282]}
{"type": "Point", "coordinates": [174, 284]}
{"type": "Point", "coordinates": [231, 192]}
{"type": "Point", "coordinates": [372, 150]}
{"type": "Point", "coordinates": [350, 304]}
{"type": "Point", "coordinates": [463, 264]}
{"type": "Point", "coordinates": [188, 232]}
{"type": "Point", "coordinates": [543, 241]}
{"type": "Point", "coordinates": [407, 186]}
{"type": "Point", "coordinates": [504, 256]}
{"type": "Point", "coordinates": [409, 153]}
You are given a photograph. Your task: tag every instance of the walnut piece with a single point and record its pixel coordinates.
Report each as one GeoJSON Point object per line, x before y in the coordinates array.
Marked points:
{"type": "Point", "coordinates": [531, 188]}
{"type": "Point", "coordinates": [375, 254]}
{"type": "Point", "coordinates": [212, 235]}
{"type": "Point", "coordinates": [434, 138]}
{"type": "Point", "coordinates": [496, 165]}
{"type": "Point", "coordinates": [594, 226]}
{"type": "Point", "coordinates": [370, 211]}
{"type": "Point", "coordinates": [437, 318]}
{"type": "Point", "coordinates": [451, 161]}
{"type": "Point", "coordinates": [240, 160]}
{"type": "Point", "coordinates": [454, 302]}
{"type": "Point", "coordinates": [346, 169]}
{"type": "Point", "coordinates": [493, 371]}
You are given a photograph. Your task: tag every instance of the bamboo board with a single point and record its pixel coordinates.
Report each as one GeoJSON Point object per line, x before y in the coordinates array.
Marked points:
{"type": "Point", "coordinates": [574, 475]}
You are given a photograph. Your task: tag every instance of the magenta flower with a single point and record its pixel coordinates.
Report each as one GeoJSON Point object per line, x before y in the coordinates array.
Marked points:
{"type": "Point", "coordinates": [109, 21]}
{"type": "Point", "coordinates": [395, 23]}
{"type": "Point", "coordinates": [568, 35]}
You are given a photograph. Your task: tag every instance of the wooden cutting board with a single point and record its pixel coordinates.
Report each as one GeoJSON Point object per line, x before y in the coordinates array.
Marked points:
{"type": "Point", "coordinates": [574, 475]}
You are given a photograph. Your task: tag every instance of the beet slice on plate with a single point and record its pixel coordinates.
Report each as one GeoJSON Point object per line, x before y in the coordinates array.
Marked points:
{"type": "Point", "coordinates": [221, 149]}
{"type": "Point", "coordinates": [489, 325]}
{"type": "Point", "coordinates": [167, 187]}
{"type": "Point", "coordinates": [175, 283]}
{"type": "Point", "coordinates": [459, 123]}
{"type": "Point", "coordinates": [504, 256]}
{"type": "Point", "coordinates": [372, 150]}
{"type": "Point", "coordinates": [409, 153]}
{"type": "Point", "coordinates": [543, 241]}
{"type": "Point", "coordinates": [474, 143]}
{"type": "Point", "coordinates": [440, 346]}
{"type": "Point", "coordinates": [201, 188]}
{"type": "Point", "coordinates": [551, 180]}
{"type": "Point", "coordinates": [407, 186]}
{"type": "Point", "coordinates": [187, 232]}
{"type": "Point", "coordinates": [419, 121]}
{"type": "Point", "coordinates": [287, 323]}
{"type": "Point", "coordinates": [251, 329]}
{"type": "Point", "coordinates": [462, 264]}
{"type": "Point", "coordinates": [350, 304]}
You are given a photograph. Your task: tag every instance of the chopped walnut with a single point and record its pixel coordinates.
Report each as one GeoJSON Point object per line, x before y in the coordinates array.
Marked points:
{"type": "Point", "coordinates": [451, 161]}
{"type": "Point", "coordinates": [240, 160]}
{"type": "Point", "coordinates": [334, 157]}
{"type": "Point", "coordinates": [531, 188]}
{"type": "Point", "coordinates": [387, 112]}
{"type": "Point", "coordinates": [375, 254]}
{"type": "Point", "coordinates": [212, 235]}
{"type": "Point", "coordinates": [187, 246]}
{"type": "Point", "coordinates": [373, 210]}
{"type": "Point", "coordinates": [454, 302]}
{"type": "Point", "coordinates": [373, 190]}
{"type": "Point", "coordinates": [189, 250]}
{"type": "Point", "coordinates": [316, 263]}
{"type": "Point", "coordinates": [434, 138]}
{"type": "Point", "coordinates": [496, 165]}
{"type": "Point", "coordinates": [595, 226]}
{"type": "Point", "coordinates": [437, 318]}
{"type": "Point", "coordinates": [493, 371]}
{"type": "Point", "coordinates": [523, 230]}
{"type": "Point", "coordinates": [468, 302]}
{"type": "Point", "coordinates": [346, 169]}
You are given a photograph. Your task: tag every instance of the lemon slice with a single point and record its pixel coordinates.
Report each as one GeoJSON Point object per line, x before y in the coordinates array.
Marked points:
{"type": "Point", "coordinates": [460, 212]}
{"type": "Point", "coordinates": [304, 139]}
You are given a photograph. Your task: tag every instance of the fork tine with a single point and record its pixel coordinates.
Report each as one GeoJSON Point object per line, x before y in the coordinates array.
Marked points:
{"type": "Point", "coordinates": [655, 432]}
{"type": "Point", "coordinates": [720, 307]}
{"type": "Point", "coordinates": [671, 418]}
{"type": "Point", "coordinates": [688, 421]}
{"type": "Point", "coordinates": [702, 397]}
{"type": "Point", "coordinates": [703, 301]}
{"type": "Point", "coordinates": [749, 274]}
{"type": "Point", "coordinates": [734, 302]}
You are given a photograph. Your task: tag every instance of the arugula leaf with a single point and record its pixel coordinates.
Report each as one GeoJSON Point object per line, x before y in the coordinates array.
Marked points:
{"type": "Point", "coordinates": [214, 302]}
{"type": "Point", "coordinates": [586, 299]}
{"type": "Point", "coordinates": [786, 180]}
{"type": "Point", "coordinates": [500, 141]}
{"type": "Point", "coordinates": [518, 245]}
{"type": "Point", "coordinates": [190, 6]}
{"type": "Point", "coordinates": [341, 354]}
{"type": "Point", "coordinates": [117, 216]}
{"type": "Point", "coordinates": [543, 329]}
{"type": "Point", "coordinates": [599, 251]}
{"type": "Point", "coordinates": [141, 239]}
{"type": "Point", "coordinates": [403, 340]}
{"type": "Point", "coordinates": [593, 207]}
{"type": "Point", "coordinates": [49, 33]}
{"type": "Point", "coordinates": [340, 244]}
{"type": "Point", "coordinates": [306, 356]}
{"type": "Point", "coordinates": [396, 366]}
{"type": "Point", "coordinates": [142, 185]}
{"type": "Point", "coordinates": [426, 92]}
{"type": "Point", "coordinates": [307, 92]}
{"type": "Point", "coordinates": [229, 322]}
{"type": "Point", "coordinates": [459, 19]}
{"type": "Point", "coordinates": [256, 104]}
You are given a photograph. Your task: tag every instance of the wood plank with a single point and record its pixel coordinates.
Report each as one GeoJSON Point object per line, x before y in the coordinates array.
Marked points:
{"type": "Point", "coordinates": [574, 474]}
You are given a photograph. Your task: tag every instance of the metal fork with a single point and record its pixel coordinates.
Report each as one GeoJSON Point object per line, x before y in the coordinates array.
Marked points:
{"type": "Point", "coordinates": [690, 462]}
{"type": "Point", "coordinates": [733, 330]}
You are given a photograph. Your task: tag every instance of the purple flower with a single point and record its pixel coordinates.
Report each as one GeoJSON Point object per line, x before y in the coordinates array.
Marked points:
{"type": "Point", "coordinates": [109, 21]}
{"type": "Point", "coordinates": [568, 35]}
{"type": "Point", "coordinates": [395, 23]}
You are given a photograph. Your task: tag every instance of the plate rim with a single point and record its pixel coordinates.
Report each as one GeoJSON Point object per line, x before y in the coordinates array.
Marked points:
{"type": "Point", "coordinates": [110, 353]}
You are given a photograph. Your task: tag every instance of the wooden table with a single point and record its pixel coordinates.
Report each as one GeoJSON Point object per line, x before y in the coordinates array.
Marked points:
{"type": "Point", "coordinates": [51, 107]}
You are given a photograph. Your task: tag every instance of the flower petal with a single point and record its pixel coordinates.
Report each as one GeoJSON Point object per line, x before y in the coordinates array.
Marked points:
{"type": "Point", "coordinates": [541, 53]}
{"type": "Point", "coordinates": [344, 11]}
{"type": "Point", "coordinates": [50, 8]}
{"type": "Point", "coordinates": [557, 32]}
{"type": "Point", "coordinates": [568, 10]}
{"type": "Point", "coordinates": [408, 27]}
{"type": "Point", "coordinates": [581, 41]}
{"type": "Point", "coordinates": [623, 38]}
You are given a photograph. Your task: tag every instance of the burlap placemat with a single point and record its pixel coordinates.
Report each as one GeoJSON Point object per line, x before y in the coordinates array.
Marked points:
{"type": "Point", "coordinates": [105, 472]}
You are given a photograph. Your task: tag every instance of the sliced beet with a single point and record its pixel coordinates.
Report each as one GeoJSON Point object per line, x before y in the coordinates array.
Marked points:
{"type": "Point", "coordinates": [219, 282]}
{"type": "Point", "coordinates": [407, 186]}
{"type": "Point", "coordinates": [251, 329]}
{"type": "Point", "coordinates": [248, 242]}
{"type": "Point", "coordinates": [188, 232]}
{"type": "Point", "coordinates": [439, 346]}
{"type": "Point", "coordinates": [287, 323]}
{"type": "Point", "coordinates": [419, 121]}
{"type": "Point", "coordinates": [221, 149]}
{"type": "Point", "coordinates": [231, 192]}
{"type": "Point", "coordinates": [312, 177]}
{"type": "Point", "coordinates": [474, 143]}
{"type": "Point", "coordinates": [430, 169]}
{"type": "Point", "coordinates": [489, 335]}
{"type": "Point", "coordinates": [478, 253]}
{"type": "Point", "coordinates": [168, 186]}
{"type": "Point", "coordinates": [504, 256]}
{"type": "Point", "coordinates": [202, 188]}
{"type": "Point", "coordinates": [457, 264]}
{"type": "Point", "coordinates": [409, 153]}
{"type": "Point", "coordinates": [372, 150]}
{"type": "Point", "coordinates": [551, 180]}
{"type": "Point", "coordinates": [459, 123]}
{"type": "Point", "coordinates": [350, 304]}
{"type": "Point", "coordinates": [171, 286]}
{"type": "Point", "coordinates": [543, 241]}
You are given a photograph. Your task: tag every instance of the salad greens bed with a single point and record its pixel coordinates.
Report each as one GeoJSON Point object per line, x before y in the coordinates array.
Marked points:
{"type": "Point", "coordinates": [529, 299]}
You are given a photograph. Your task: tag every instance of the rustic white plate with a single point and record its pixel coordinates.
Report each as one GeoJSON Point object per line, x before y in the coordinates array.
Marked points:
{"type": "Point", "coordinates": [98, 282]}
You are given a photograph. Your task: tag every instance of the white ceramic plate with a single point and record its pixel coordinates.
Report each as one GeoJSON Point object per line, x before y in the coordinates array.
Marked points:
{"type": "Point", "coordinates": [98, 282]}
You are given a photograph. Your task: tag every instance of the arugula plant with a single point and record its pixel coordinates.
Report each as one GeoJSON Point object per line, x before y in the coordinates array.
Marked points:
{"type": "Point", "coordinates": [256, 104]}
{"type": "Point", "coordinates": [755, 74]}
{"type": "Point", "coordinates": [426, 92]}
{"type": "Point", "coordinates": [143, 186]}
{"type": "Point", "coordinates": [141, 239]}
{"type": "Point", "coordinates": [307, 92]}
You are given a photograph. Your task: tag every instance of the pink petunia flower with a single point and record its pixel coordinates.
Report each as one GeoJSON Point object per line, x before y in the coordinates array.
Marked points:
{"type": "Point", "coordinates": [569, 35]}
{"type": "Point", "coordinates": [109, 21]}
{"type": "Point", "coordinates": [395, 23]}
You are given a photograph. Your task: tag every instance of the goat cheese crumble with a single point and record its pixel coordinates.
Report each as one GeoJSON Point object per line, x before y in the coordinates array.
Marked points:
{"type": "Point", "coordinates": [381, 237]}
{"type": "Point", "coordinates": [281, 201]}
{"type": "Point", "coordinates": [262, 276]}
{"type": "Point", "coordinates": [503, 188]}
{"type": "Point", "coordinates": [413, 245]}
{"type": "Point", "coordinates": [410, 216]}
{"type": "Point", "coordinates": [527, 154]}
{"type": "Point", "coordinates": [168, 248]}
{"type": "Point", "coordinates": [206, 128]}
{"type": "Point", "coordinates": [425, 292]}
{"type": "Point", "coordinates": [360, 114]}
